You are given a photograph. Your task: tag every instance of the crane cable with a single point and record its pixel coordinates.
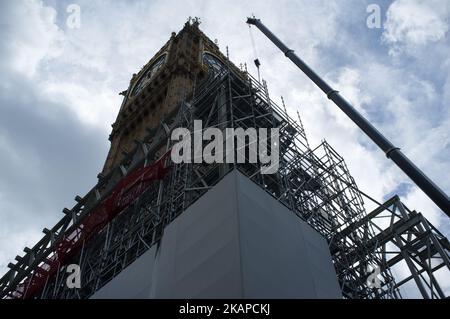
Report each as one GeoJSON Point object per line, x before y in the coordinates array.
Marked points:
{"type": "Point", "coordinates": [255, 52]}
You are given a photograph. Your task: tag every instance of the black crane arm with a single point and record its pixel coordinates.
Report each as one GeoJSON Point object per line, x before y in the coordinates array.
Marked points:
{"type": "Point", "coordinates": [392, 152]}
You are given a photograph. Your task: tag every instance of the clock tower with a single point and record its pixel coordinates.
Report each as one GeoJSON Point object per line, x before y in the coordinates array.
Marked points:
{"type": "Point", "coordinates": [161, 85]}
{"type": "Point", "coordinates": [155, 228]}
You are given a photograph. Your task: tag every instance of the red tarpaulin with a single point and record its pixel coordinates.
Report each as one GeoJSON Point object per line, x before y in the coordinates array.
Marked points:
{"type": "Point", "coordinates": [124, 194]}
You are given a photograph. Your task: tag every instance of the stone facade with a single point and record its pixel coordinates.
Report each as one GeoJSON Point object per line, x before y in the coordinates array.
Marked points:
{"type": "Point", "coordinates": [171, 83]}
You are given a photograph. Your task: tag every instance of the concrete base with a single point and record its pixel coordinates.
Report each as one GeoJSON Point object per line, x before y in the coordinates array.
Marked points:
{"type": "Point", "coordinates": [236, 241]}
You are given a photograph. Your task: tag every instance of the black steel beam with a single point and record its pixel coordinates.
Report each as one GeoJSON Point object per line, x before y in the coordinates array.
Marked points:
{"type": "Point", "coordinates": [392, 152]}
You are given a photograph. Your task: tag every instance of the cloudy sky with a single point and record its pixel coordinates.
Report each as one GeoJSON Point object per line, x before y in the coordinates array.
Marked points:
{"type": "Point", "coordinates": [59, 88]}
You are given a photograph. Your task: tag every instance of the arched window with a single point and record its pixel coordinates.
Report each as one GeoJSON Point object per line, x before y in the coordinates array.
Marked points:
{"type": "Point", "coordinates": [149, 74]}
{"type": "Point", "coordinates": [214, 64]}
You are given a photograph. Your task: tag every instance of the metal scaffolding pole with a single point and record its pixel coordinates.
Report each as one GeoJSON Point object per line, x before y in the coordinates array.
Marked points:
{"type": "Point", "coordinates": [314, 184]}
{"type": "Point", "coordinates": [392, 152]}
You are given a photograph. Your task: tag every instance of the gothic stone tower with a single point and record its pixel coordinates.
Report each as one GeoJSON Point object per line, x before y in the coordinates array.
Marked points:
{"type": "Point", "coordinates": [212, 249]}
{"type": "Point", "coordinates": [153, 228]}
{"type": "Point", "coordinates": [159, 88]}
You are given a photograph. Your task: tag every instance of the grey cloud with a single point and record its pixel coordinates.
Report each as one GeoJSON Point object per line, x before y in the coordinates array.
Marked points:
{"type": "Point", "coordinates": [47, 157]}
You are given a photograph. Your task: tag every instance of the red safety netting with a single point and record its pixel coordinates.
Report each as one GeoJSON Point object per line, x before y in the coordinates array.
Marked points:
{"type": "Point", "coordinates": [124, 194]}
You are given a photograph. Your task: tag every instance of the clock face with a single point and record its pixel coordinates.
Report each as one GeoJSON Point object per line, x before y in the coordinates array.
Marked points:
{"type": "Point", "coordinates": [215, 65]}
{"type": "Point", "coordinates": [148, 75]}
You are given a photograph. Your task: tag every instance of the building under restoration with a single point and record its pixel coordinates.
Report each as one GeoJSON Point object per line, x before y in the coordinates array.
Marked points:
{"type": "Point", "coordinates": [151, 228]}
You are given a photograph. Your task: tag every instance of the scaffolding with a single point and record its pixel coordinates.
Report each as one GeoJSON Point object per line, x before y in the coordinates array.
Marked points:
{"type": "Point", "coordinates": [314, 184]}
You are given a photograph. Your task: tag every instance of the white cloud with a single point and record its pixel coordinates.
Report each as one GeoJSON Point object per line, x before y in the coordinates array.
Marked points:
{"type": "Point", "coordinates": [94, 105]}
{"type": "Point", "coordinates": [29, 35]}
{"type": "Point", "coordinates": [415, 23]}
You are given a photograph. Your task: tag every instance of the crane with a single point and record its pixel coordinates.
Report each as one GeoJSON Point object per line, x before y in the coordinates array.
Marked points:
{"type": "Point", "coordinates": [392, 152]}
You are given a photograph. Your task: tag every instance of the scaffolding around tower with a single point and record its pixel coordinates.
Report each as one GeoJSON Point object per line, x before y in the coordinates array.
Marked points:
{"type": "Point", "coordinates": [314, 183]}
